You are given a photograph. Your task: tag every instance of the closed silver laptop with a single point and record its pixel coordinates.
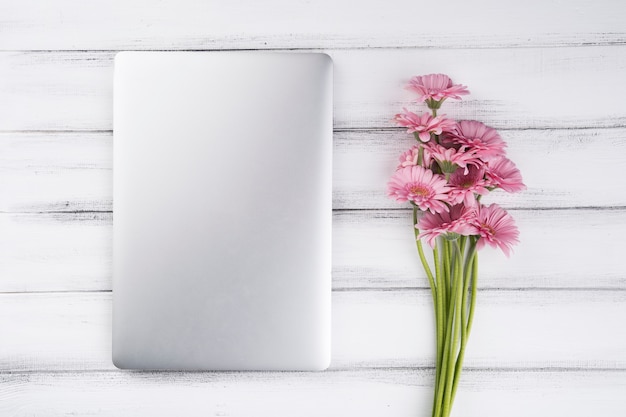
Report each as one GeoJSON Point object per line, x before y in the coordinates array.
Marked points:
{"type": "Point", "coordinates": [222, 211]}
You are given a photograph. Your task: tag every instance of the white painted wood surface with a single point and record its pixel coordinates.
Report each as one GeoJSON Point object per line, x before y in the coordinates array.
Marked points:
{"type": "Point", "coordinates": [71, 171]}
{"type": "Point", "coordinates": [548, 74]}
{"type": "Point", "coordinates": [200, 24]}
{"type": "Point", "coordinates": [395, 392]}
{"type": "Point", "coordinates": [527, 329]}
{"type": "Point", "coordinates": [370, 250]}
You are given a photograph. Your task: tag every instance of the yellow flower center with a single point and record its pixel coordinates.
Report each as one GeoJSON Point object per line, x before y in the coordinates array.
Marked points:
{"type": "Point", "coordinates": [467, 184]}
{"type": "Point", "coordinates": [419, 190]}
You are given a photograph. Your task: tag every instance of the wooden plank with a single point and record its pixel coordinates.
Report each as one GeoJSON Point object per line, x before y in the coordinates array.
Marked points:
{"type": "Point", "coordinates": [73, 90]}
{"type": "Point", "coordinates": [56, 91]}
{"type": "Point", "coordinates": [371, 249]}
{"type": "Point", "coordinates": [71, 171]}
{"type": "Point", "coordinates": [72, 331]}
{"type": "Point", "coordinates": [375, 392]}
{"type": "Point", "coordinates": [191, 24]}
{"type": "Point", "coordinates": [55, 252]}
{"type": "Point", "coordinates": [51, 172]}
{"type": "Point", "coordinates": [563, 248]}
{"type": "Point", "coordinates": [364, 161]}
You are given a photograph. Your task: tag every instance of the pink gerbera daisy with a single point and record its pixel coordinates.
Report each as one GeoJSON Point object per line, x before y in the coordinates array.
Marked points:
{"type": "Point", "coordinates": [464, 186]}
{"type": "Point", "coordinates": [459, 220]}
{"type": "Point", "coordinates": [424, 188]}
{"type": "Point", "coordinates": [479, 138]}
{"type": "Point", "coordinates": [424, 125]}
{"type": "Point", "coordinates": [449, 159]}
{"type": "Point", "coordinates": [411, 156]}
{"type": "Point", "coordinates": [496, 227]}
{"type": "Point", "coordinates": [436, 87]}
{"type": "Point", "coordinates": [502, 172]}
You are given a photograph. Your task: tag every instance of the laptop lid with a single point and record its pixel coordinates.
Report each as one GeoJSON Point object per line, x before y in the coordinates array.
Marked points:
{"type": "Point", "coordinates": [222, 210]}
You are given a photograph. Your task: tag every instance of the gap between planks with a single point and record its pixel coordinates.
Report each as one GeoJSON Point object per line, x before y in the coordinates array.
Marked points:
{"type": "Point", "coordinates": [369, 289]}
{"type": "Point", "coordinates": [357, 129]}
{"type": "Point", "coordinates": [352, 369]}
{"type": "Point", "coordinates": [612, 39]}
{"type": "Point", "coordinates": [619, 40]}
{"type": "Point", "coordinates": [341, 210]}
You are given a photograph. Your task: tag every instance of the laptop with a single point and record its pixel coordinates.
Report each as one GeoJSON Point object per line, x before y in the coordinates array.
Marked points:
{"type": "Point", "coordinates": [222, 211]}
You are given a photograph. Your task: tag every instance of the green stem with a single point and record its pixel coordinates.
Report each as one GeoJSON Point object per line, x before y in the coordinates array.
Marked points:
{"type": "Point", "coordinates": [442, 310]}
{"type": "Point", "coordinates": [420, 251]}
{"type": "Point", "coordinates": [438, 308]}
{"type": "Point", "coordinates": [469, 267]}
{"type": "Point", "coordinates": [470, 319]}
{"type": "Point", "coordinates": [447, 363]}
{"type": "Point", "coordinates": [440, 313]}
{"type": "Point", "coordinates": [463, 241]}
{"type": "Point", "coordinates": [433, 288]}
{"type": "Point", "coordinates": [453, 258]}
{"type": "Point", "coordinates": [446, 278]}
{"type": "Point", "coordinates": [455, 310]}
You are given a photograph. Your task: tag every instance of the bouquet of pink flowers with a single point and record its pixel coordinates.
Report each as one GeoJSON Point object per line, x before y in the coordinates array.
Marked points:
{"type": "Point", "coordinates": [444, 176]}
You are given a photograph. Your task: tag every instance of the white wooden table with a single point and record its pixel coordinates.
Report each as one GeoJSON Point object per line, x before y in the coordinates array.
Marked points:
{"type": "Point", "coordinates": [548, 338]}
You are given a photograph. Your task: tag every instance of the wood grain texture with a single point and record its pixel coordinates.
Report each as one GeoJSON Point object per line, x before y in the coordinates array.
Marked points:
{"type": "Point", "coordinates": [71, 171]}
{"type": "Point", "coordinates": [375, 249]}
{"type": "Point", "coordinates": [523, 88]}
{"type": "Point", "coordinates": [364, 161]}
{"type": "Point", "coordinates": [193, 24]}
{"type": "Point", "coordinates": [55, 252]}
{"type": "Point", "coordinates": [513, 329]}
{"type": "Point", "coordinates": [380, 392]}
{"type": "Point", "coordinates": [52, 172]}
{"type": "Point", "coordinates": [371, 249]}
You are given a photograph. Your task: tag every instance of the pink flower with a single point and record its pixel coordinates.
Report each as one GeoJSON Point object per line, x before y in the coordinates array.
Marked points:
{"type": "Point", "coordinates": [449, 158]}
{"type": "Point", "coordinates": [496, 227]}
{"type": "Point", "coordinates": [424, 188]}
{"type": "Point", "coordinates": [410, 157]}
{"type": "Point", "coordinates": [464, 186]}
{"type": "Point", "coordinates": [502, 173]}
{"type": "Point", "coordinates": [436, 87]}
{"type": "Point", "coordinates": [424, 125]}
{"type": "Point", "coordinates": [479, 138]}
{"type": "Point", "coordinates": [458, 220]}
